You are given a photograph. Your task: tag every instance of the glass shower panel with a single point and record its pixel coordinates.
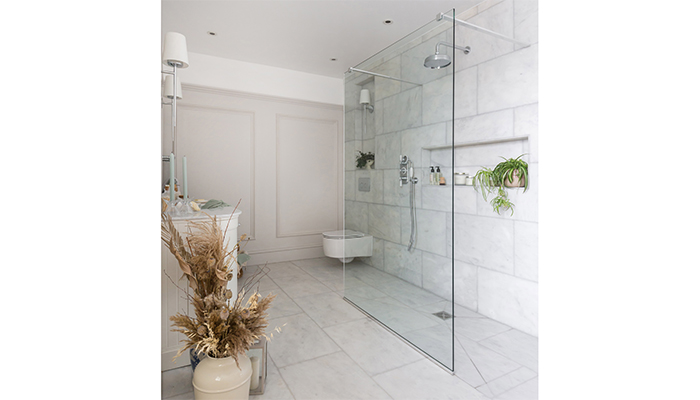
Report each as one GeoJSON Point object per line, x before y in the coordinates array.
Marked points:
{"type": "Point", "coordinates": [399, 106]}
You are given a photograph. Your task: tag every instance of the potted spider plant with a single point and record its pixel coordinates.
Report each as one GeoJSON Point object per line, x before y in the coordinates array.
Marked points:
{"type": "Point", "coordinates": [510, 173]}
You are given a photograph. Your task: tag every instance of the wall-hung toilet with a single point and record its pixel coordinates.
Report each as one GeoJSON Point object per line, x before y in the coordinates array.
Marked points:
{"type": "Point", "coordinates": [346, 245]}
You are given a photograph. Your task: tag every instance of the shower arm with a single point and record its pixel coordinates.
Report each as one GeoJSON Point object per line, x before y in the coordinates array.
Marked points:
{"type": "Point", "coordinates": [466, 50]}
{"type": "Point", "coordinates": [479, 29]}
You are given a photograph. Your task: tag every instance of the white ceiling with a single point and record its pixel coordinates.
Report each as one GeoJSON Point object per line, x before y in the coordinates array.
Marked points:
{"type": "Point", "coordinates": [299, 35]}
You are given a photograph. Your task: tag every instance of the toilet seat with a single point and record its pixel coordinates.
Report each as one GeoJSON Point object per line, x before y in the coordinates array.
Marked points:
{"type": "Point", "coordinates": [345, 234]}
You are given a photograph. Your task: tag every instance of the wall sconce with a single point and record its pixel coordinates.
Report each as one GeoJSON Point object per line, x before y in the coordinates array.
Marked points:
{"type": "Point", "coordinates": [175, 56]}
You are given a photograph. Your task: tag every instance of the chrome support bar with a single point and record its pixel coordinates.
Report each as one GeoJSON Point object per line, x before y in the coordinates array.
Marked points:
{"type": "Point", "coordinates": [351, 69]}
{"type": "Point", "coordinates": [480, 29]}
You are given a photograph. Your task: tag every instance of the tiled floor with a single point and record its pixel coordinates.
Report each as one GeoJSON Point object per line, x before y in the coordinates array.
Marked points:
{"type": "Point", "coordinates": [329, 350]}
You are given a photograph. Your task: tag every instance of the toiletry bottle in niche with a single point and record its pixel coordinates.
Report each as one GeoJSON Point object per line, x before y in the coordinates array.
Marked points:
{"type": "Point", "coordinates": [432, 175]}
{"type": "Point", "coordinates": [440, 179]}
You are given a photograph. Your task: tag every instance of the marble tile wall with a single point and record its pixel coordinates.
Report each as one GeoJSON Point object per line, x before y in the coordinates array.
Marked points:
{"type": "Point", "coordinates": [495, 263]}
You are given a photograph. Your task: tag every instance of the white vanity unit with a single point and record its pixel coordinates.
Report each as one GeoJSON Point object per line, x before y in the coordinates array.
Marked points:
{"type": "Point", "coordinates": [173, 300]}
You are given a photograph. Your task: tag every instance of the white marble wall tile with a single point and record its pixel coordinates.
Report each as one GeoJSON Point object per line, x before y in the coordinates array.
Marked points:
{"type": "Point", "coordinates": [508, 81]}
{"type": "Point", "coordinates": [437, 275]}
{"type": "Point", "coordinates": [525, 250]}
{"type": "Point", "coordinates": [487, 155]}
{"type": "Point", "coordinates": [425, 380]}
{"type": "Point", "coordinates": [350, 185]}
{"type": "Point", "coordinates": [398, 261]}
{"type": "Point", "coordinates": [526, 21]}
{"type": "Point", "coordinates": [376, 185]}
{"type": "Point", "coordinates": [386, 87]}
{"type": "Point", "coordinates": [466, 285]}
{"type": "Point", "coordinates": [300, 340]}
{"type": "Point", "coordinates": [385, 222]}
{"type": "Point", "coordinates": [403, 111]}
{"type": "Point", "coordinates": [357, 216]}
{"type": "Point", "coordinates": [517, 346]}
{"type": "Point", "coordinates": [526, 122]}
{"type": "Point", "coordinates": [378, 117]}
{"type": "Point", "coordinates": [431, 231]}
{"type": "Point", "coordinates": [351, 149]}
{"type": "Point", "coordinates": [413, 141]}
{"type": "Point", "coordinates": [388, 148]}
{"type": "Point", "coordinates": [498, 18]}
{"type": "Point", "coordinates": [437, 100]}
{"type": "Point", "coordinates": [487, 126]}
{"type": "Point", "coordinates": [465, 197]}
{"type": "Point", "coordinates": [527, 202]}
{"type": "Point", "coordinates": [509, 299]}
{"type": "Point", "coordinates": [465, 95]}
{"type": "Point", "coordinates": [334, 376]}
{"type": "Point", "coordinates": [396, 195]}
{"type": "Point", "coordinates": [352, 96]}
{"type": "Point", "coordinates": [373, 348]}
{"type": "Point", "coordinates": [377, 259]}
{"type": "Point", "coordinates": [483, 241]}
{"type": "Point", "coordinates": [438, 198]}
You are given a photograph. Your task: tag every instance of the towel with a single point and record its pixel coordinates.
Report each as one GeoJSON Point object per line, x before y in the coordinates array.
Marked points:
{"type": "Point", "coordinates": [215, 204]}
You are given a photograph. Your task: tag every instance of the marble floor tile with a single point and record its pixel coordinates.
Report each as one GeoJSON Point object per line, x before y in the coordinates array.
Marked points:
{"type": "Point", "coordinates": [280, 271]}
{"type": "Point", "coordinates": [300, 285]}
{"type": "Point", "coordinates": [490, 364]}
{"type": "Point", "coordinates": [516, 345]}
{"type": "Point", "coordinates": [328, 309]}
{"type": "Point", "coordinates": [282, 306]}
{"type": "Point", "coordinates": [339, 284]}
{"type": "Point", "coordinates": [478, 328]}
{"type": "Point", "coordinates": [300, 339]}
{"type": "Point", "coordinates": [363, 291]}
{"type": "Point", "coordinates": [275, 386]}
{"type": "Point", "coordinates": [424, 380]}
{"type": "Point", "coordinates": [436, 341]}
{"type": "Point", "coordinates": [334, 376]}
{"type": "Point", "coordinates": [323, 269]}
{"type": "Point", "coordinates": [372, 347]}
{"type": "Point", "coordinates": [395, 315]}
{"type": "Point", "coordinates": [409, 294]}
{"type": "Point", "coordinates": [526, 391]}
{"type": "Point", "coordinates": [507, 382]}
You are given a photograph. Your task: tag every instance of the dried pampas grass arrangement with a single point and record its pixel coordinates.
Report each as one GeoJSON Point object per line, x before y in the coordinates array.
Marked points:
{"type": "Point", "coordinates": [222, 326]}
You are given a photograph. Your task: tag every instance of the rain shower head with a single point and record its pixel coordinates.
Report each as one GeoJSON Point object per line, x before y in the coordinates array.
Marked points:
{"type": "Point", "coordinates": [437, 60]}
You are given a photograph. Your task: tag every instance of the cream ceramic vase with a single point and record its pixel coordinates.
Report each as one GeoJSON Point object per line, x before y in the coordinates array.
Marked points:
{"type": "Point", "coordinates": [220, 378]}
{"type": "Point", "coordinates": [518, 181]}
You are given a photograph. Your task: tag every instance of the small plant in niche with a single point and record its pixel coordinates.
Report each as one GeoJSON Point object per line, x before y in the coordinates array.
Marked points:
{"type": "Point", "coordinates": [364, 159]}
{"type": "Point", "coordinates": [512, 172]}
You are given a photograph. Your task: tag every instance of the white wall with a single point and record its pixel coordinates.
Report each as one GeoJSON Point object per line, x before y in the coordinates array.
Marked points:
{"type": "Point", "coordinates": [269, 137]}
{"type": "Point", "coordinates": [222, 73]}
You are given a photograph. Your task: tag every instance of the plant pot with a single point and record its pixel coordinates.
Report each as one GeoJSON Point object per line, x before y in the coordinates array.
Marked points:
{"type": "Point", "coordinates": [518, 181]}
{"type": "Point", "coordinates": [369, 164]}
{"type": "Point", "coordinates": [220, 378]}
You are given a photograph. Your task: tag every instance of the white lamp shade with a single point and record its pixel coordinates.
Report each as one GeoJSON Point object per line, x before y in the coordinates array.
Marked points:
{"type": "Point", "coordinates": [168, 87]}
{"type": "Point", "coordinates": [364, 96]}
{"type": "Point", "coordinates": [175, 49]}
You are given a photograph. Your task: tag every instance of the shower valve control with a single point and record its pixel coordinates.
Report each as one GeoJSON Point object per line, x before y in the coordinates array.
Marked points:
{"type": "Point", "coordinates": [406, 171]}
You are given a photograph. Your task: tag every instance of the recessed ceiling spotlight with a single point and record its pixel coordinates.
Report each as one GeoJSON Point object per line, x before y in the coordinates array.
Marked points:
{"type": "Point", "coordinates": [212, 33]}
{"type": "Point", "coordinates": [334, 59]}
{"type": "Point", "coordinates": [388, 21]}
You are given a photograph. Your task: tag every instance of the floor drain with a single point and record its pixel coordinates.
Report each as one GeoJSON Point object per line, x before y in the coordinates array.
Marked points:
{"type": "Point", "coordinates": [443, 315]}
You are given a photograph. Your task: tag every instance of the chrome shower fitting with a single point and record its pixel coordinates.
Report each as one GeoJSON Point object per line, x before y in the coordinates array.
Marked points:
{"type": "Point", "coordinates": [438, 60]}
{"type": "Point", "coordinates": [406, 176]}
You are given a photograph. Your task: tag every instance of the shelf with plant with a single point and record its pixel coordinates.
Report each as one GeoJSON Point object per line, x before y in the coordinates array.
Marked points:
{"type": "Point", "coordinates": [510, 173]}
{"type": "Point", "coordinates": [364, 160]}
